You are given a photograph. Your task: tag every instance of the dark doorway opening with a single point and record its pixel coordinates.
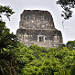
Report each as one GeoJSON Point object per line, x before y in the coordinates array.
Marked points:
{"type": "Point", "coordinates": [40, 39]}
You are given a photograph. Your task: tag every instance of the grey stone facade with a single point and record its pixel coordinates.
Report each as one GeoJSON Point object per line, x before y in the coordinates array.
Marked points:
{"type": "Point", "coordinates": [37, 27]}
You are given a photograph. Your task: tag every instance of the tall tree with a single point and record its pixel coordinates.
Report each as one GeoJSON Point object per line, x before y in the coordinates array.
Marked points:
{"type": "Point", "coordinates": [67, 5]}
{"type": "Point", "coordinates": [8, 41]}
{"type": "Point", "coordinates": [6, 38]}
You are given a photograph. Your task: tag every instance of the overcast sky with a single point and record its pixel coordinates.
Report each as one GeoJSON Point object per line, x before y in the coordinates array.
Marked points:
{"type": "Point", "coordinates": [50, 5]}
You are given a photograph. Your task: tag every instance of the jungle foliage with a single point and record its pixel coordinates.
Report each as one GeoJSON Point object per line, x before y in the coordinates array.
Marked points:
{"type": "Point", "coordinates": [36, 60]}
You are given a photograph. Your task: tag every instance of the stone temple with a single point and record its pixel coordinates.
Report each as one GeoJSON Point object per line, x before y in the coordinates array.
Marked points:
{"type": "Point", "coordinates": [37, 27]}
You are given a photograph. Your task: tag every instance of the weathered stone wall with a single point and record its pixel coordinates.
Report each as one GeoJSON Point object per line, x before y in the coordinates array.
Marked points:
{"type": "Point", "coordinates": [31, 19]}
{"type": "Point", "coordinates": [37, 27]}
